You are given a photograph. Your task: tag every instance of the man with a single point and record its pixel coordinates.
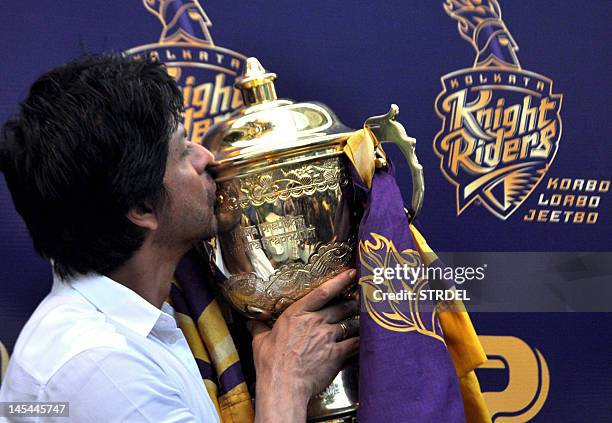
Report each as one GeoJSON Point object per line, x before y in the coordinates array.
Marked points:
{"type": "Point", "coordinates": [114, 195]}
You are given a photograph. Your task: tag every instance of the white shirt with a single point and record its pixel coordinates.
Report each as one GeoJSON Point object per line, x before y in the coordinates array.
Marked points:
{"type": "Point", "coordinates": [112, 355]}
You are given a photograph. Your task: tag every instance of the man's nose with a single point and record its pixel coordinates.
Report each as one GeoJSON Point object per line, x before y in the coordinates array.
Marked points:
{"type": "Point", "coordinates": [201, 158]}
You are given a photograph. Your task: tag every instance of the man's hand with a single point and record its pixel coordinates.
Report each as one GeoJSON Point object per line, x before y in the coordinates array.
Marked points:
{"type": "Point", "coordinates": [305, 349]}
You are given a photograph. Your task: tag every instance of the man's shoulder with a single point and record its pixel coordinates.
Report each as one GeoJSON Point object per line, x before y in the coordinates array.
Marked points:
{"type": "Point", "coordinates": [62, 327]}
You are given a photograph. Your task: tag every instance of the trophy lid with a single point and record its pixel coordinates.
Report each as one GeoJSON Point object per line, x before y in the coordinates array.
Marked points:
{"type": "Point", "coordinates": [271, 131]}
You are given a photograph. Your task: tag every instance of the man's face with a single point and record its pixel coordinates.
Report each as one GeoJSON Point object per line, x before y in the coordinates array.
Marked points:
{"type": "Point", "coordinates": [188, 215]}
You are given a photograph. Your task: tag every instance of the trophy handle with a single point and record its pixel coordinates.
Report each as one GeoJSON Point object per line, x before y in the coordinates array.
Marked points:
{"type": "Point", "coordinates": [387, 129]}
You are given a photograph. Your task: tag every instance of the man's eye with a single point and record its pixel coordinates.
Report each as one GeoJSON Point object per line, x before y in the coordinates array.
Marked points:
{"type": "Point", "coordinates": [187, 150]}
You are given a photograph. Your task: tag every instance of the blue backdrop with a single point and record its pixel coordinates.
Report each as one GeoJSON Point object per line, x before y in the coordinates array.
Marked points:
{"type": "Point", "coordinates": [358, 57]}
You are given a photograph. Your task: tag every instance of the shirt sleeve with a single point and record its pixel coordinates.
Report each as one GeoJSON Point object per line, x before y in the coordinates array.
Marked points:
{"type": "Point", "coordinates": [106, 385]}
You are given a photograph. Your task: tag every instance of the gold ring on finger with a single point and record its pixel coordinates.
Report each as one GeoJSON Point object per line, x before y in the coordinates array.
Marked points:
{"type": "Point", "coordinates": [345, 330]}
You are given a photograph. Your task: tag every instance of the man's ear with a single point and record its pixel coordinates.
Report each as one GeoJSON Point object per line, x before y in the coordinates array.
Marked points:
{"type": "Point", "coordinates": [143, 216]}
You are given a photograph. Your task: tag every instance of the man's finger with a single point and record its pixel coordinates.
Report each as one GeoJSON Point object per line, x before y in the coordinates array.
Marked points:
{"type": "Point", "coordinates": [340, 311]}
{"type": "Point", "coordinates": [321, 295]}
{"type": "Point", "coordinates": [348, 328]}
{"type": "Point", "coordinates": [256, 327]}
{"type": "Point", "coordinates": [347, 348]}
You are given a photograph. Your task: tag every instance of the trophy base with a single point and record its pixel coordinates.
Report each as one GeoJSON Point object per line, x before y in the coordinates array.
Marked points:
{"type": "Point", "coordinates": [351, 418]}
{"type": "Point", "coordinates": [338, 403]}
{"type": "Point", "coordinates": [348, 418]}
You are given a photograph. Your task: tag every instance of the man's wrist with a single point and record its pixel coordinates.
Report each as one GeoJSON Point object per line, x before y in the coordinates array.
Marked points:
{"type": "Point", "coordinates": [280, 399]}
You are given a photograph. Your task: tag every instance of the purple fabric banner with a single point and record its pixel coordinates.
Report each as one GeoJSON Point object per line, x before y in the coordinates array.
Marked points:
{"type": "Point", "coordinates": [406, 373]}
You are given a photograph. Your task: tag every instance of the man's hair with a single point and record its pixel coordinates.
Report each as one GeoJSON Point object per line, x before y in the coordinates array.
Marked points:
{"type": "Point", "coordinates": [90, 143]}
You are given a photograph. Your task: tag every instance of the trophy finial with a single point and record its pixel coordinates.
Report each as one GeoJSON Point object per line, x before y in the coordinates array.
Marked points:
{"type": "Point", "coordinates": [256, 84]}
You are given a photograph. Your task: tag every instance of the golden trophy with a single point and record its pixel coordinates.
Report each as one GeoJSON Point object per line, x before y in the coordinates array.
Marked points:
{"type": "Point", "coordinates": [286, 207]}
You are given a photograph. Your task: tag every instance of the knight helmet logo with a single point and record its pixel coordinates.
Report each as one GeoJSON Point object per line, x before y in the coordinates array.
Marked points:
{"type": "Point", "coordinates": [501, 124]}
{"type": "Point", "coordinates": [204, 71]}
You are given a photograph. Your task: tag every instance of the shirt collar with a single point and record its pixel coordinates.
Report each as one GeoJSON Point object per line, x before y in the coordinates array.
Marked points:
{"type": "Point", "coordinates": [117, 302]}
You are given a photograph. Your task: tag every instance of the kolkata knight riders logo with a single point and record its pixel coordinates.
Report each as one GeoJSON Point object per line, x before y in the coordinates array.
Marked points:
{"type": "Point", "coordinates": [501, 124]}
{"type": "Point", "coordinates": [204, 71]}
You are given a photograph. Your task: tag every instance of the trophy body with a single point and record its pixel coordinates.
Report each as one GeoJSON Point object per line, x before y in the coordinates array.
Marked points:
{"type": "Point", "coordinates": [285, 211]}
{"type": "Point", "coordinates": [284, 230]}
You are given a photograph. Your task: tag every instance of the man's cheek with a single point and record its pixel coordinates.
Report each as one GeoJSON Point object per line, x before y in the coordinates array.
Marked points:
{"type": "Point", "coordinates": [210, 194]}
